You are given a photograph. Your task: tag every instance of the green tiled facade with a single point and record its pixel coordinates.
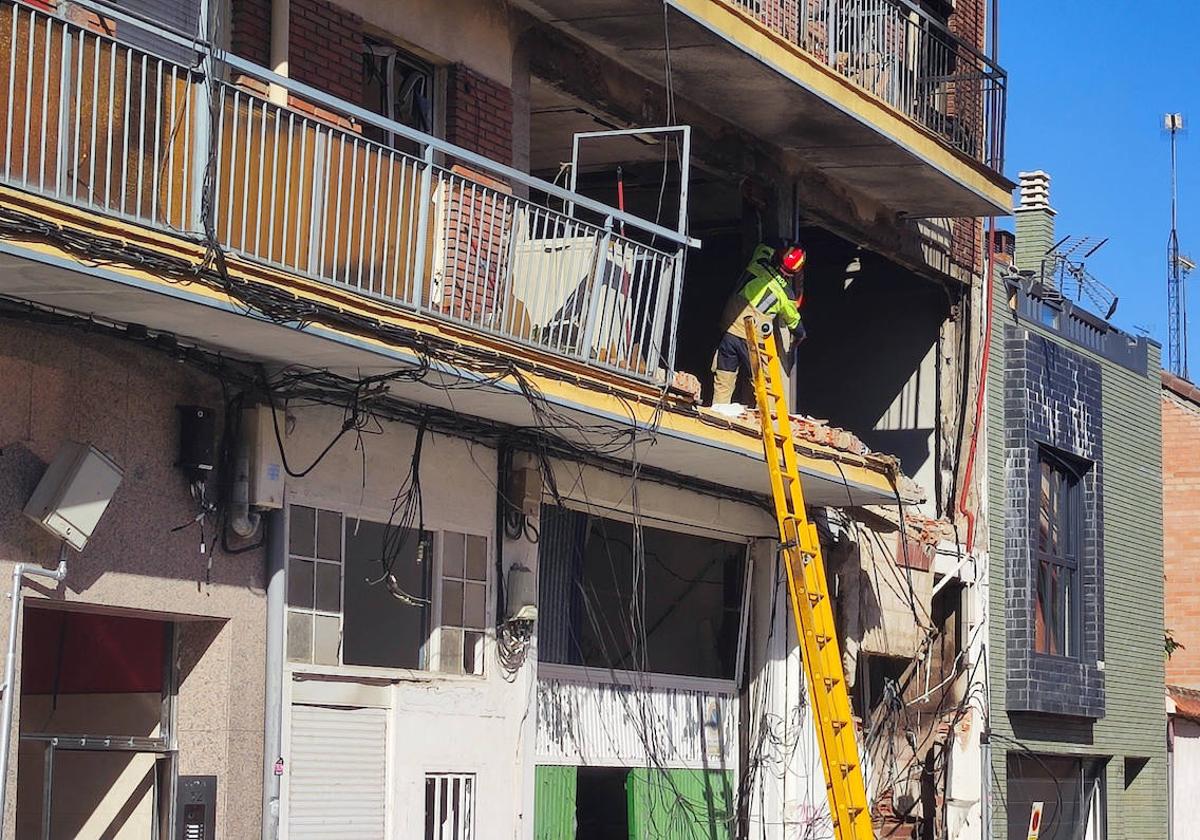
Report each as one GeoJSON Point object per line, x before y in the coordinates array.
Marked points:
{"type": "Point", "coordinates": [1130, 733]}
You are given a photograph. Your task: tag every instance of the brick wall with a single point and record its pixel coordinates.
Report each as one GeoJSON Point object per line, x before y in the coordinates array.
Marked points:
{"type": "Point", "coordinates": [325, 44]}
{"type": "Point", "coordinates": [1181, 534]}
{"type": "Point", "coordinates": [250, 37]}
{"type": "Point", "coordinates": [479, 114]}
{"type": "Point", "coordinates": [325, 48]}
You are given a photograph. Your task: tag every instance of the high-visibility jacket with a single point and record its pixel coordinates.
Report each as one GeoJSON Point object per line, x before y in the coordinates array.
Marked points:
{"type": "Point", "coordinates": [765, 295]}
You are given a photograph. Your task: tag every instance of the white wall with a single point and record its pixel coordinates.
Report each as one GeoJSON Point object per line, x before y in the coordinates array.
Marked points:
{"type": "Point", "coordinates": [439, 723]}
{"type": "Point", "coordinates": [1185, 804]}
{"type": "Point", "coordinates": [444, 723]}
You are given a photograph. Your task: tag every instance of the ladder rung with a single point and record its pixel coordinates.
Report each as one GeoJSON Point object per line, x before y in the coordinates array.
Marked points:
{"type": "Point", "coordinates": [814, 598]}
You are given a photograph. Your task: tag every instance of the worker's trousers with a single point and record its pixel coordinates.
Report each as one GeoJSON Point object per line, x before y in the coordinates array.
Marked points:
{"type": "Point", "coordinates": [732, 357]}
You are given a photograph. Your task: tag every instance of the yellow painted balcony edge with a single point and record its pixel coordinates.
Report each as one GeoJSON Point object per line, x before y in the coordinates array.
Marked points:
{"type": "Point", "coordinates": [617, 396]}
{"type": "Point", "coordinates": [776, 51]}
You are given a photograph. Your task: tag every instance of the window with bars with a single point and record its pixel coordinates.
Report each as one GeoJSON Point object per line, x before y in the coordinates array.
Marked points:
{"type": "Point", "coordinates": [370, 594]}
{"type": "Point", "coordinates": [449, 806]}
{"type": "Point", "coordinates": [1057, 552]}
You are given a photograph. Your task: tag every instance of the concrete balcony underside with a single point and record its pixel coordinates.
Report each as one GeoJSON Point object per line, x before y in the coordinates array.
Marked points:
{"type": "Point", "coordinates": [686, 442]}
{"type": "Point", "coordinates": [732, 65]}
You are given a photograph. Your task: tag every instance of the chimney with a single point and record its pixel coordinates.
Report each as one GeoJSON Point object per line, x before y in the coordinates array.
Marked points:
{"type": "Point", "coordinates": [1035, 222]}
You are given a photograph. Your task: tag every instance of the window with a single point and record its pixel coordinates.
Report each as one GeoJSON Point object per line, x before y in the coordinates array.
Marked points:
{"type": "Point", "coordinates": [655, 600]}
{"type": "Point", "coordinates": [449, 806]}
{"type": "Point", "coordinates": [363, 593]}
{"type": "Point", "coordinates": [464, 603]}
{"type": "Point", "coordinates": [400, 87]}
{"type": "Point", "coordinates": [1056, 619]}
{"type": "Point", "coordinates": [314, 586]}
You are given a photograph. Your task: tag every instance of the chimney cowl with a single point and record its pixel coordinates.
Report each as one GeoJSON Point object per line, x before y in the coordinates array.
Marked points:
{"type": "Point", "coordinates": [1034, 191]}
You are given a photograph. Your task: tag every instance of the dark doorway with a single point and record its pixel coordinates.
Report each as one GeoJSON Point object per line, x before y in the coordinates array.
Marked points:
{"type": "Point", "coordinates": [602, 803]}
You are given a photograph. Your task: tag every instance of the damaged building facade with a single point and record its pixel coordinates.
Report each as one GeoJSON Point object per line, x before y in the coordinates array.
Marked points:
{"type": "Point", "coordinates": [393, 324]}
{"type": "Point", "coordinates": [1077, 737]}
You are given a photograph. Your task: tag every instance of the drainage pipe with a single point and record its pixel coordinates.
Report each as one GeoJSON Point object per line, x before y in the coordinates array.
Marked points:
{"type": "Point", "coordinates": [273, 712]}
{"type": "Point", "coordinates": [20, 570]}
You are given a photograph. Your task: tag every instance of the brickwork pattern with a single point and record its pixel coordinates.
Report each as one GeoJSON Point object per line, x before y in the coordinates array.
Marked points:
{"type": "Point", "coordinates": [1181, 534]}
{"type": "Point", "coordinates": [479, 114]}
{"type": "Point", "coordinates": [1052, 396]}
{"type": "Point", "coordinates": [325, 44]}
{"type": "Point", "coordinates": [477, 226]}
{"type": "Point", "coordinates": [1134, 714]}
{"type": "Point", "coordinates": [325, 48]}
{"type": "Point", "coordinates": [251, 30]}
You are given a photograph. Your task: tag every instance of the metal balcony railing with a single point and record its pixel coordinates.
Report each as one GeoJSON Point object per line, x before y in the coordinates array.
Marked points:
{"type": "Point", "coordinates": [898, 52]}
{"type": "Point", "coordinates": [319, 188]}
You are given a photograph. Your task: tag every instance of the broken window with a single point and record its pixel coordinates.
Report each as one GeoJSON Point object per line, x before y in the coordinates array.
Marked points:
{"type": "Point", "coordinates": [363, 593]}
{"type": "Point", "coordinates": [614, 596]}
{"type": "Point", "coordinates": [1056, 618]}
{"type": "Point", "coordinates": [1056, 797]}
{"type": "Point", "coordinates": [449, 806]}
{"type": "Point", "coordinates": [464, 603]}
{"type": "Point", "coordinates": [399, 86]}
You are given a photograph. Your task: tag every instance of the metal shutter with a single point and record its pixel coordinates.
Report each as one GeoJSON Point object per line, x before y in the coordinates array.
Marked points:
{"type": "Point", "coordinates": [338, 773]}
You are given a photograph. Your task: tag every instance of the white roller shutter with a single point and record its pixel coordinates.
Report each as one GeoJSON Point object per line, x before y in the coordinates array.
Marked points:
{"type": "Point", "coordinates": [337, 773]}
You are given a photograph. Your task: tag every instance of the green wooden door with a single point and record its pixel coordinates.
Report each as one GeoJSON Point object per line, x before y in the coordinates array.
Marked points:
{"type": "Point", "coordinates": [554, 803]}
{"type": "Point", "coordinates": [680, 804]}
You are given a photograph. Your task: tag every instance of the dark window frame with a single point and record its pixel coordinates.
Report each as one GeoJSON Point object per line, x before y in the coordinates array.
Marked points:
{"type": "Point", "coordinates": [1058, 553]}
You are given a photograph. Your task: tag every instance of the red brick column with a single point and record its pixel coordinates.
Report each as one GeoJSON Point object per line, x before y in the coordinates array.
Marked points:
{"type": "Point", "coordinates": [479, 114]}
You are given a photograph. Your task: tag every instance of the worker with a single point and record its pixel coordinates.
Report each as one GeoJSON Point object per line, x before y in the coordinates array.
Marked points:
{"type": "Point", "coordinates": [774, 275]}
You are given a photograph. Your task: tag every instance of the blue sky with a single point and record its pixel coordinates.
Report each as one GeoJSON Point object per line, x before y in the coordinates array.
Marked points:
{"type": "Point", "coordinates": [1088, 85]}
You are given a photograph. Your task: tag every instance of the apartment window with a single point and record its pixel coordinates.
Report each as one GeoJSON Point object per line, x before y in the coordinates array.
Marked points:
{"type": "Point", "coordinates": [358, 591]}
{"type": "Point", "coordinates": [1059, 536]}
{"type": "Point", "coordinates": [464, 603]}
{"type": "Point", "coordinates": [450, 806]}
{"type": "Point", "coordinates": [399, 86]}
{"type": "Point", "coordinates": [371, 594]}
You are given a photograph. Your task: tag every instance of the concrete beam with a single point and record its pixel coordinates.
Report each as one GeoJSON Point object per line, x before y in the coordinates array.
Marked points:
{"type": "Point", "coordinates": [719, 146]}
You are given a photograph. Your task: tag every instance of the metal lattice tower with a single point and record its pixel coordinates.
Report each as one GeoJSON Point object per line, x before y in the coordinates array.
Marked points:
{"type": "Point", "coordinates": [1177, 266]}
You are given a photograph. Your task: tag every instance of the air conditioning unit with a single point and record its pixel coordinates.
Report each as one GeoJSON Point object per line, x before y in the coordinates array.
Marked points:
{"type": "Point", "coordinates": [74, 493]}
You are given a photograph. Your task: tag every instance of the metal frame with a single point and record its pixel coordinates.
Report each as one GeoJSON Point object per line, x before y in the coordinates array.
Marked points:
{"type": "Point", "coordinates": [685, 158]}
{"type": "Point", "coordinates": [164, 747]}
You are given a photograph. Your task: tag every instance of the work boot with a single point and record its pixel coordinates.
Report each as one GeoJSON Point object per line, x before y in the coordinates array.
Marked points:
{"type": "Point", "coordinates": [724, 383]}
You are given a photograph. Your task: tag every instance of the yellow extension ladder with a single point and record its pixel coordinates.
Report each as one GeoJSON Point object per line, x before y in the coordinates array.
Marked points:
{"type": "Point", "coordinates": [811, 607]}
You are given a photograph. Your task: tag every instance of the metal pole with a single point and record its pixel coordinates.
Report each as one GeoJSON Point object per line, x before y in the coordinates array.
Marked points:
{"type": "Point", "coordinates": [10, 664]}
{"type": "Point", "coordinates": [276, 532]}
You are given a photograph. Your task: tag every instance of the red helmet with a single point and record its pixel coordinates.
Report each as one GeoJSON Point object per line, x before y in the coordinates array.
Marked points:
{"type": "Point", "coordinates": [791, 258]}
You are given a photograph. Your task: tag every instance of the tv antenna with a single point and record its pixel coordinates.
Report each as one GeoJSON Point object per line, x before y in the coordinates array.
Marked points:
{"type": "Point", "coordinates": [1065, 274]}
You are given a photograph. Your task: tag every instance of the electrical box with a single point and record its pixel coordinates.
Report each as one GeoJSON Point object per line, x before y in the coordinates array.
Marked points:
{"type": "Point", "coordinates": [74, 493]}
{"type": "Point", "coordinates": [266, 463]}
{"type": "Point", "coordinates": [197, 439]}
{"type": "Point", "coordinates": [525, 484]}
{"type": "Point", "coordinates": [196, 808]}
{"type": "Point", "coordinates": [521, 594]}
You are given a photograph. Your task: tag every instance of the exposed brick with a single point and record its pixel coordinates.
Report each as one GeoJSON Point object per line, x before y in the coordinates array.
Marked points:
{"type": "Point", "coordinates": [1181, 531]}
{"type": "Point", "coordinates": [479, 114]}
